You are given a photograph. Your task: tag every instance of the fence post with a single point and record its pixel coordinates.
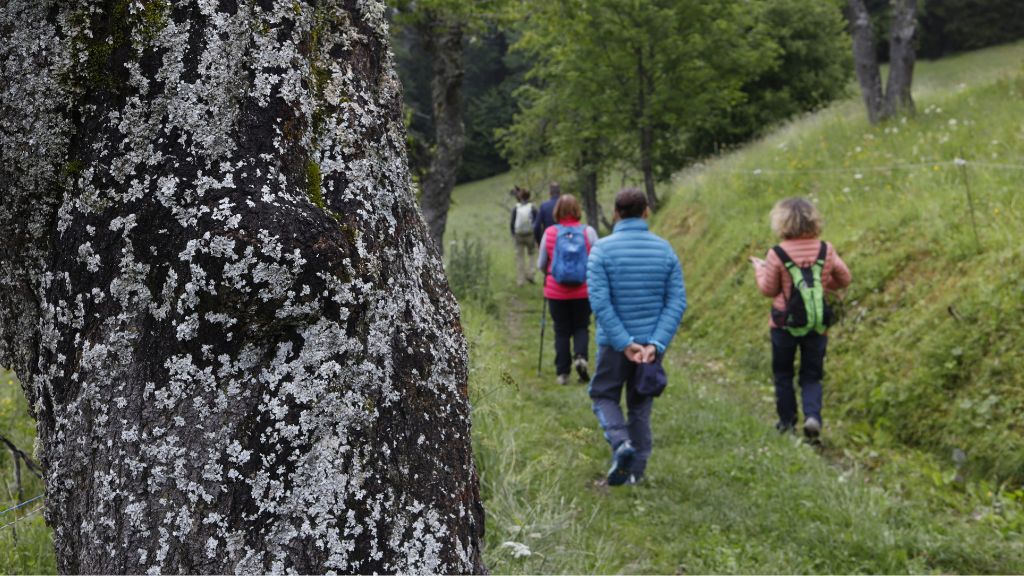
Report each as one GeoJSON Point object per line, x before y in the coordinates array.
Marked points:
{"type": "Point", "coordinates": [962, 164]}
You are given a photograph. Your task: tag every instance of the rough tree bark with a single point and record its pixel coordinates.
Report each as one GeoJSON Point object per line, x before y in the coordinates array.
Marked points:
{"type": "Point", "coordinates": [896, 98]}
{"type": "Point", "coordinates": [901, 58]}
{"type": "Point", "coordinates": [865, 60]}
{"type": "Point", "coordinates": [237, 341]}
{"type": "Point", "coordinates": [444, 42]}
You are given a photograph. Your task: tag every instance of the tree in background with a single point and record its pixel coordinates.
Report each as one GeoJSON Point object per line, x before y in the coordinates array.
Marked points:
{"type": "Point", "coordinates": [442, 26]}
{"type": "Point", "coordinates": [896, 97]}
{"type": "Point", "coordinates": [219, 296]}
{"type": "Point", "coordinates": [809, 67]}
{"type": "Point", "coordinates": [639, 73]}
{"type": "Point", "coordinates": [948, 26]}
{"type": "Point", "coordinates": [654, 84]}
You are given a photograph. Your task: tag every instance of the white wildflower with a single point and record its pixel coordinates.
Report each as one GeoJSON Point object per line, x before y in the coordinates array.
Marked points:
{"type": "Point", "coordinates": [519, 550]}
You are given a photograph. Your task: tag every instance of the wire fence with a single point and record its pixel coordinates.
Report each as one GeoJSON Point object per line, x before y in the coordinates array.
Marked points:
{"type": "Point", "coordinates": [30, 514]}
{"type": "Point", "coordinates": [23, 504]}
{"type": "Point", "coordinates": [956, 163]}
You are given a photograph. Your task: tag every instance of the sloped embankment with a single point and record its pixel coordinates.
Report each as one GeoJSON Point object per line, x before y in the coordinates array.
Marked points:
{"type": "Point", "coordinates": [929, 354]}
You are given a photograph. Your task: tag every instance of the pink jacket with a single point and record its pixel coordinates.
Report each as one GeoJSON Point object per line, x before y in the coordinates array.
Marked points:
{"type": "Point", "coordinates": [553, 290]}
{"type": "Point", "coordinates": [775, 282]}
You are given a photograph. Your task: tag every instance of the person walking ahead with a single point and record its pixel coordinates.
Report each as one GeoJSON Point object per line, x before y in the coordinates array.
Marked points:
{"type": "Point", "coordinates": [546, 218]}
{"type": "Point", "coordinates": [523, 217]}
{"type": "Point", "coordinates": [563, 260]}
{"type": "Point", "coordinates": [636, 291]}
{"type": "Point", "coordinates": [802, 253]}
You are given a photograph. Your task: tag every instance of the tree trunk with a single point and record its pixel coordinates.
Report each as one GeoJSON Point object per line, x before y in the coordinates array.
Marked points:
{"type": "Point", "coordinates": [901, 59]}
{"type": "Point", "coordinates": [866, 60]}
{"type": "Point", "coordinates": [444, 42]}
{"type": "Point", "coordinates": [646, 131]}
{"type": "Point", "coordinates": [587, 178]}
{"type": "Point", "coordinates": [215, 287]}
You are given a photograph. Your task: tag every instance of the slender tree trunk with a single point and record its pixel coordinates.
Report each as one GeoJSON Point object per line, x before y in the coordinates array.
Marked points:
{"type": "Point", "coordinates": [444, 42]}
{"type": "Point", "coordinates": [646, 131]}
{"type": "Point", "coordinates": [901, 59]}
{"type": "Point", "coordinates": [587, 177]}
{"type": "Point", "coordinates": [217, 292]}
{"type": "Point", "coordinates": [866, 60]}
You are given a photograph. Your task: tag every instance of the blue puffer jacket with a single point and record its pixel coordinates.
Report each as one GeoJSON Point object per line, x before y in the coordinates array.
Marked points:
{"type": "Point", "coordinates": [636, 287]}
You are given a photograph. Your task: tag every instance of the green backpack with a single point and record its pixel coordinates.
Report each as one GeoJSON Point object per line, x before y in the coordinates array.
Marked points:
{"type": "Point", "coordinates": [806, 309]}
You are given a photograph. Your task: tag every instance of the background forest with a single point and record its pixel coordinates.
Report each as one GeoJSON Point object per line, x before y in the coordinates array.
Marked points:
{"type": "Point", "coordinates": [498, 81]}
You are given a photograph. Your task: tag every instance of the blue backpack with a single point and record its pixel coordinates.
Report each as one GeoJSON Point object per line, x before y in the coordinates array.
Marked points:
{"type": "Point", "coordinates": [569, 263]}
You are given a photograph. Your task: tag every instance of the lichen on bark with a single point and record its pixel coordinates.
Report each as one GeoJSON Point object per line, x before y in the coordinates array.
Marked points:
{"type": "Point", "coordinates": [233, 368]}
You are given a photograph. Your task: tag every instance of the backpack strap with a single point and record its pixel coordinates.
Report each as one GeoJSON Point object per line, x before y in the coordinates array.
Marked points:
{"type": "Point", "coordinates": [823, 253]}
{"type": "Point", "coordinates": [786, 260]}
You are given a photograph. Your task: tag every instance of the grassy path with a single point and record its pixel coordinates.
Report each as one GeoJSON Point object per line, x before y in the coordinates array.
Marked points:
{"type": "Point", "coordinates": [724, 492]}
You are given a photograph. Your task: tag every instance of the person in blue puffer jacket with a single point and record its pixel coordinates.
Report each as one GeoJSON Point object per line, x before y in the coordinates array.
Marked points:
{"type": "Point", "coordinates": [637, 294]}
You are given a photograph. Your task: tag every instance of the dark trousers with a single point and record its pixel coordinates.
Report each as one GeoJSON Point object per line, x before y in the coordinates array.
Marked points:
{"type": "Point", "coordinates": [812, 371]}
{"type": "Point", "coordinates": [572, 321]}
{"type": "Point", "coordinates": [612, 374]}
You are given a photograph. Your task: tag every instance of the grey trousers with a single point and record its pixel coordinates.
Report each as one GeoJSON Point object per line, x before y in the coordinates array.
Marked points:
{"type": "Point", "coordinates": [610, 377]}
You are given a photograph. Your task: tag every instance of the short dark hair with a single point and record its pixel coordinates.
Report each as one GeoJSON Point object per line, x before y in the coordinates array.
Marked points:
{"type": "Point", "coordinates": [630, 203]}
{"type": "Point", "coordinates": [524, 195]}
{"type": "Point", "coordinates": [555, 189]}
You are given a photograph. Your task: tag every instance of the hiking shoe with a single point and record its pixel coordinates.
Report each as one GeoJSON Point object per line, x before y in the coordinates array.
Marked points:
{"type": "Point", "coordinates": [621, 460]}
{"type": "Point", "coordinates": [784, 427]}
{"type": "Point", "coordinates": [812, 427]}
{"type": "Point", "coordinates": [581, 368]}
{"type": "Point", "coordinates": [562, 379]}
{"type": "Point", "coordinates": [634, 479]}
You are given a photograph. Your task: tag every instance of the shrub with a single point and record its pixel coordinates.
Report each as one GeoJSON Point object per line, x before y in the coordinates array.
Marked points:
{"type": "Point", "coordinates": [469, 273]}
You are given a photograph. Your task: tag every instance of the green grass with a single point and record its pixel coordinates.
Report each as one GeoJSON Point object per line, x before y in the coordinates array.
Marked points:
{"type": "Point", "coordinates": [26, 547]}
{"type": "Point", "coordinates": [726, 494]}
{"type": "Point", "coordinates": [929, 354]}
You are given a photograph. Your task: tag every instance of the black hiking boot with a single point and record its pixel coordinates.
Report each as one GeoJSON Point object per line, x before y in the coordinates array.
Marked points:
{"type": "Point", "coordinates": [785, 428]}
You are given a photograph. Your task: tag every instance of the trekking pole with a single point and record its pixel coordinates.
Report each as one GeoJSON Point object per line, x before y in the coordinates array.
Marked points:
{"type": "Point", "coordinates": [543, 323]}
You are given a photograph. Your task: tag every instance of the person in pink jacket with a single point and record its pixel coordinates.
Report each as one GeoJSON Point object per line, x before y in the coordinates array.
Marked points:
{"type": "Point", "coordinates": [798, 224]}
{"type": "Point", "coordinates": [570, 308]}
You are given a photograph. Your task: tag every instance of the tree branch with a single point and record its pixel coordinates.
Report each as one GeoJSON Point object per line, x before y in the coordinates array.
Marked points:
{"type": "Point", "coordinates": [32, 466]}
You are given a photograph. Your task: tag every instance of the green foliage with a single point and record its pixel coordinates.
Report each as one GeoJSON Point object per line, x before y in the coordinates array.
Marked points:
{"type": "Point", "coordinates": [469, 272]}
{"type": "Point", "coordinates": [697, 75]}
{"type": "Point", "coordinates": [810, 67]}
{"type": "Point", "coordinates": [929, 354]}
{"type": "Point", "coordinates": [491, 75]}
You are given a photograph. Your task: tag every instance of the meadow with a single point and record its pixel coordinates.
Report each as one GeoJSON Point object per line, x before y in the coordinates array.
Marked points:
{"type": "Point", "coordinates": [924, 363]}
{"type": "Point", "coordinates": [921, 467]}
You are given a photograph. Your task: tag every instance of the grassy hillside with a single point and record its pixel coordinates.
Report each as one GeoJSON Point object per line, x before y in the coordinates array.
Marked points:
{"type": "Point", "coordinates": [929, 354]}
{"type": "Point", "coordinates": [726, 494]}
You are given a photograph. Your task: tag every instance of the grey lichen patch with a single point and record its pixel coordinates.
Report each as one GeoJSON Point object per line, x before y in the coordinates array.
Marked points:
{"type": "Point", "coordinates": [220, 296]}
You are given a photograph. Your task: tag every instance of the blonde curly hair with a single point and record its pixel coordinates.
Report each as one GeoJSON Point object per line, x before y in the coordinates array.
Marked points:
{"type": "Point", "coordinates": [796, 217]}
